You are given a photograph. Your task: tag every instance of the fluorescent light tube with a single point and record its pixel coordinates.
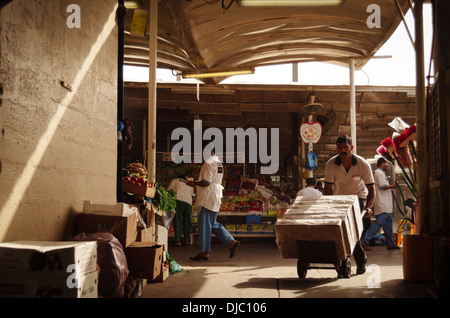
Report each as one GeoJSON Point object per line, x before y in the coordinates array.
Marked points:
{"type": "Point", "coordinates": [279, 3]}
{"type": "Point", "coordinates": [212, 73]}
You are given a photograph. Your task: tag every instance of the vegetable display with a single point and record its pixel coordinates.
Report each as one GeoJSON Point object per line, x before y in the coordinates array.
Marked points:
{"type": "Point", "coordinates": [164, 200]}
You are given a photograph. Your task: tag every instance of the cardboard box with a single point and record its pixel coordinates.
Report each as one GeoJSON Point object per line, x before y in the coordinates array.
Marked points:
{"type": "Point", "coordinates": [268, 228]}
{"type": "Point", "coordinates": [49, 287]}
{"type": "Point", "coordinates": [118, 209]}
{"type": "Point", "coordinates": [143, 190]}
{"type": "Point", "coordinates": [47, 258]}
{"type": "Point", "coordinates": [253, 219]}
{"type": "Point", "coordinates": [268, 219]}
{"type": "Point", "coordinates": [248, 228]}
{"type": "Point", "coordinates": [124, 228]}
{"type": "Point", "coordinates": [144, 234]}
{"type": "Point", "coordinates": [162, 236]}
{"type": "Point", "coordinates": [231, 228]}
{"type": "Point", "coordinates": [164, 268]}
{"type": "Point", "coordinates": [144, 259]}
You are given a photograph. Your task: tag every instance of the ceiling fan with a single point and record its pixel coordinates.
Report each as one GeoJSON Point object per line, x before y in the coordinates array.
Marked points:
{"type": "Point", "coordinates": [312, 107]}
{"type": "Point", "coordinates": [315, 108]}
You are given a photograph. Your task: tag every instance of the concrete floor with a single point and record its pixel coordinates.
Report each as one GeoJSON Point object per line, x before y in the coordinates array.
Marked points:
{"type": "Point", "coordinates": [258, 271]}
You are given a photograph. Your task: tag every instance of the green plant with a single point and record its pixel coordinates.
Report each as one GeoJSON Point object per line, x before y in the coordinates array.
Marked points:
{"type": "Point", "coordinates": [165, 200]}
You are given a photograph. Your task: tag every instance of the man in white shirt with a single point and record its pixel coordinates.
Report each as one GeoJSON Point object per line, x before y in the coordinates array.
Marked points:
{"type": "Point", "coordinates": [209, 195]}
{"type": "Point", "coordinates": [310, 190]}
{"type": "Point", "coordinates": [351, 175]}
{"type": "Point", "coordinates": [183, 210]}
{"type": "Point", "coordinates": [383, 206]}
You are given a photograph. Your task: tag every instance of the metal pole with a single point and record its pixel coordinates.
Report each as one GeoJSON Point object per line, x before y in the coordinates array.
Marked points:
{"type": "Point", "coordinates": [152, 58]}
{"type": "Point", "coordinates": [302, 169]}
{"type": "Point", "coordinates": [352, 104]}
{"type": "Point", "coordinates": [120, 92]}
{"type": "Point", "coordinates": [295, 72]}
{"type": "Point", "coordinates": [310, 147]}
{"type": "Point", "coordinates": [301, 146]}
{"type": "Point", "coordinates": [421, 118]}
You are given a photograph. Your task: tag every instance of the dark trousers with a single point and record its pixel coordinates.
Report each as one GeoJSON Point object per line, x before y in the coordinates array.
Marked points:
{"type": "Point", "coordinates": [182, 221]}
{"type": "Point", "coordinates": [358, 253]}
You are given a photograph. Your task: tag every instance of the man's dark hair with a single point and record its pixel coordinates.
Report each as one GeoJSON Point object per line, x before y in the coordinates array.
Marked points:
{"type": "Point", "coordinates": [380, 161]}
{"type": "Point", "coordinates": [344, 138]}
{"type": "Point", "coordinates": [310, 182]}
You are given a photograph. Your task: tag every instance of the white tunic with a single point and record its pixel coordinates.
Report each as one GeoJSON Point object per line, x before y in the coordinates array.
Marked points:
{"type": "Point", "coordinates": [383, 199]}
{"type": "Point", "coordinates": [309, 192]}
{"type": "Point", "coordinates": [184, 192]}
{"type": "Point", "coordinates": [212, 173]}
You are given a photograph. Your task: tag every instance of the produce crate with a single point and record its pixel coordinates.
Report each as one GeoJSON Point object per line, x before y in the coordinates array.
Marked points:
{"type": "Point", "coordinates": [147, 189]}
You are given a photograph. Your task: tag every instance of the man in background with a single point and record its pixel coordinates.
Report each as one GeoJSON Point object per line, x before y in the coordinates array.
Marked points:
{"type": "Point", "coordinates": [383, 207]}
{"type": "Point", "coordinates": [310, 190]}
{"type": "Point", "coordinates": [182, 220]}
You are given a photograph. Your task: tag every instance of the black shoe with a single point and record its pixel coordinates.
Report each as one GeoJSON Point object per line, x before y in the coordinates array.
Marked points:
{"type": "Point", "coordinates": [395, 247]}
{"type": "Point", "coordinates": [199, 257]}
{"type": "Point", "coordinates": [365, 246]}
{"type": "Point", "coordinates": [361, 268]}
{"type": "Point", "coordinates": [233, 248]}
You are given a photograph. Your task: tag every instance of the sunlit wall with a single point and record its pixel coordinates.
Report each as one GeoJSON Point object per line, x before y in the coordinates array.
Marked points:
{"type": "Point", "coordinates": [58, 117]}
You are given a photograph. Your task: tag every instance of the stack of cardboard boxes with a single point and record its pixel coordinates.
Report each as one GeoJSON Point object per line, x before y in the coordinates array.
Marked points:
{"type": "Point", "coordinates": [69, 269]}
{"type": "Point", "coordinates": [145, 253]}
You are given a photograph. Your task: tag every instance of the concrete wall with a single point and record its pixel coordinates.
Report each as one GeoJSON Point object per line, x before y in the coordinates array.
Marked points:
{"type": "Point", "coordinates": [58, 145]}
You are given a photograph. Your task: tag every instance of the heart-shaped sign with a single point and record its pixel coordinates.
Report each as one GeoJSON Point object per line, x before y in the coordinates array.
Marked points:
{"type": "Point", "coordinates": [311, 132]}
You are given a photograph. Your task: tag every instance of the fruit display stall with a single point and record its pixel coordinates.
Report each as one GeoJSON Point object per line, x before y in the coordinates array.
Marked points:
{"type": "Point", "coordinates": [249, 207]}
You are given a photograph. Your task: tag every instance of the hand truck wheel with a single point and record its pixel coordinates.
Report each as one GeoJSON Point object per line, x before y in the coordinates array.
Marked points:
{"type": "Point", "coordinates": [302, 269]}
{"type": "Point", "coordinates": [344, 269]}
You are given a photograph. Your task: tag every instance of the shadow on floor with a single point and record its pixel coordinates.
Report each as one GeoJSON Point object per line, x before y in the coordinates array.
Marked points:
{"type": "Point", "coordinates": [257, 270]}
{"type": "Point", "coordinates": [334, 288]}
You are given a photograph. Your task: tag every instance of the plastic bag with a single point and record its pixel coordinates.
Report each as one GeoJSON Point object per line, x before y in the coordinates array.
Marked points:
{"type": "Point", "coordinates": [311, 162]}
{"type": "Point", "coordinates": [112, 262]}
{"type": "Point", "coordinates": [398, 124]}
{"type": "Point", "coordinates": [174, 267]}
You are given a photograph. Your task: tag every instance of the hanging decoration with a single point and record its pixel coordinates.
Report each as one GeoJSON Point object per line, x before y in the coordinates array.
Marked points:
{"type": "Point", "coordinates": [400, 150]}
{"type": "Point", "coordinates": [311, 132]}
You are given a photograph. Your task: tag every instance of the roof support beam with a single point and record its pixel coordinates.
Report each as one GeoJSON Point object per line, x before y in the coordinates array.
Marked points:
{"type": "Point", "coordinates": [422, 160]}
{"type": "Point", "coordinates": [152, 58]}
{"type": "Point", "coordinates": [352, 104]}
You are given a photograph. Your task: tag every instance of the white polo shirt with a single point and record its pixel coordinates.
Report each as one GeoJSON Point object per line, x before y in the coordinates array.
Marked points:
{"type": "Point", "coordinates": [352, 182]}
{"type": "Point", "coordinates": [383, 199]}
{"type": "Point", "coordinates": [309, 192]}
{"type": "Point", "coordinates": [184, 192]}
{"type": "Point", "coordinates": [212, 173]}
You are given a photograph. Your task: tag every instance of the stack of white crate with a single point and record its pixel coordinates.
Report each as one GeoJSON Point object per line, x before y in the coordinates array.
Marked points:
{"type": "Point", "coordinates": [328, 218]}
